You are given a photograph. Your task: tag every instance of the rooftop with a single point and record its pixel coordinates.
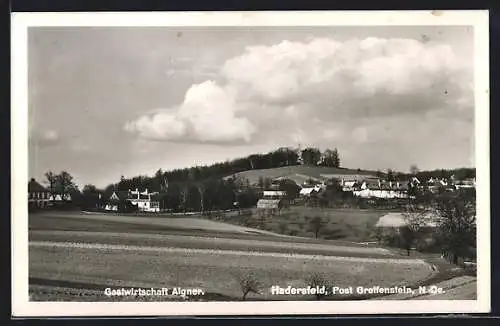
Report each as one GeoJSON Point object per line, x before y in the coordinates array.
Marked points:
{"type": "Point", "coordinates": [34, 186]}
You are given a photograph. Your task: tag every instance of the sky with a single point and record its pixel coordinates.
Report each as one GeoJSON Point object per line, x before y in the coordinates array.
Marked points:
{"type": "Point", "coordinates": [106, 102]}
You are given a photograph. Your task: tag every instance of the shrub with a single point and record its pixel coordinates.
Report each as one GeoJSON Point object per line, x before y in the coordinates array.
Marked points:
{"type": "Point", "coordinates": [283, 226]}
{"type": "Point", "coordinates": [317, 279]}
{"type": "Point", "coordinates": [316, 225]}
{"type": "Point", "coordinates": [248, 284]}
{"type": "Point", "coordinates": [333, 234]}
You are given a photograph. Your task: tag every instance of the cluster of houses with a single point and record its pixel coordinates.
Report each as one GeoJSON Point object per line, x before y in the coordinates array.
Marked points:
{"type": "Point", "coordinates": [41, 197]}
{"type": "Point", "coordinates": [143, 201]}
{"type": "Point", "coordinates": [274, 199]}
{"type": "Point", "coordinates": [362, 186]}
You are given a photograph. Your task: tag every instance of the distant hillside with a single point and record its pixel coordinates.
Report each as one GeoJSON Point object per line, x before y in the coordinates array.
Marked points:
{"type": "Point", "coordinates": [301, 173]}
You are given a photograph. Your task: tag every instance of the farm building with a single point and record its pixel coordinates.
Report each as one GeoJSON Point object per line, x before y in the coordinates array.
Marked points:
{"type": "Point", "coordinates": [272, 201]}
{"type": "Point", "coordinates": [308, 191]}
{"type": "Point", "coordinates": [143, 201]}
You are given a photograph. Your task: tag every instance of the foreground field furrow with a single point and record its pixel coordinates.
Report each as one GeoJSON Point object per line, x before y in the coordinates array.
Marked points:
{"type": "Point", "coordinates": [205, 243]}
{"type": "Point", "coordinates": [101, 246]}
{"type": "Point", "coordinates": [213, 271]}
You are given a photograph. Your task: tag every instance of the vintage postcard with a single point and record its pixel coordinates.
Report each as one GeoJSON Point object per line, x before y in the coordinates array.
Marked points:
{"type": "Point", "coordinates": [250, 163]}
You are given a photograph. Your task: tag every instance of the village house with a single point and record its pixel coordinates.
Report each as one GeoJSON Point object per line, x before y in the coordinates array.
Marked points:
{"type": "Point", "coordinates": [308, 191]}
{"type": "Point", "coordinates": [272, 201]}
{"type": "Point", "coordinates": [466, 184]}
{"type": "Point", "coordinates": [38, 195]}
{"type": "Point", "coordinates": [59, 198]}
{"type": "Point", "coordinates": [143, 201]}
{"type": "Point", "coordinates": [435, 185]}
{"type": "Point", "coordinates": [381, 189]}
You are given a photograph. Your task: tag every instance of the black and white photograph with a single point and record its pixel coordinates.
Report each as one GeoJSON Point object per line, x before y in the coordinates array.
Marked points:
{"type": "Point", "coordinates": [250, 163]}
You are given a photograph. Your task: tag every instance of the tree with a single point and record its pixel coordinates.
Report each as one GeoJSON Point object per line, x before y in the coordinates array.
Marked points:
{"type": "Point", "coordinates": [318, 280]}
{"type": "Point", "coordinates": [390, 175]}
{"type": "Point", "coordinates": [51, 179]}
{"type": "Point", "coordinates": [415, 219]}
{"type": "Point", "coordinates": [457, 224]}
{"type": "Point", "coordinates": [414, 170]}
{"type": "Point", "coordinates": [201, 189]}
{"type": "Point", "coordinates": [290, 187]}
{"type": "Point", "coordinates": [91, 197]}
{"type": "Point", "coordinates": [62, 184]}
{"type": "Point", "coordinates": [316, 225]}
{"type": "Point", "coordinates": [65, 183]}
{"type": "Point", "coordinates": [261, 182]}
{"type": "Point", "coordinates": [248, 284]}
{"type": "Point", "coordinates": [333, 192]}
{"type": "Point", "coordinates": [247, 198]}
{"type": "Point", "coordinates": [159, 181]}
{"type": "Point", "coordinates": [283, 226]}
{"type": "Point", "coordinates": [330, 158]}
{"type": "Point", "coordinates": [268, 182]}
{"type": "Point", "coordinates": [184, 194]}
{"type": "Point", "coordinates": [311, 156]}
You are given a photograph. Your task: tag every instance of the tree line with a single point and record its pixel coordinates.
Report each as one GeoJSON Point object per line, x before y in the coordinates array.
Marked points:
{"type": "Point", "coordinates": [446, 174]}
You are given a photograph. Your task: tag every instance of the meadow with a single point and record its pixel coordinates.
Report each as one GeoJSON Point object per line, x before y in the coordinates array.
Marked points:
{"type": "Point", "coordinates": [353, 225]}
{"type": "Point", "coordinates": [217, 273]}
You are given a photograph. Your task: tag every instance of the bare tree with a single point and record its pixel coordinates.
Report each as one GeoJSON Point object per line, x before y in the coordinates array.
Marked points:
{"type": "Point", "coordinates": [318, 280]}
{"type": "Point", "coordinates": [52, 179]}
{"type": "Point", "coordinates": [248, 284]}
{"type": "Point", "coordinates": [201, 189]}
{"type": "Point", "coordinates": [184, 196]}
{"type": "Point", "coordinates": [316, 225]}
{"type": "Point", "coordinates": [414, 170]}
{"type": "Point", "coordinates": [457, 224]}
{"type": "Point", "coordinates": [415, 219]}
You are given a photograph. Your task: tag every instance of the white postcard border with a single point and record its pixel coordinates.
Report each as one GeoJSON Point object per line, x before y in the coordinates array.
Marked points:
{"type": "Point", "coordinates": [21, 307]}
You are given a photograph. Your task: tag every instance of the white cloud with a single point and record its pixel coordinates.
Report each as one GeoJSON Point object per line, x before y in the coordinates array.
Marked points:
{"type": "Point", "coordinates": [44, 138]}
{"type": "Point", "coordinates": [280, 89]}
{"type": "Point", "coordinates": [208, 114]}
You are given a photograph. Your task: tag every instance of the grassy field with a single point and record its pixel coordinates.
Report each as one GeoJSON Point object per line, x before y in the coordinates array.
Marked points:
{"type": "Point", "coordinates": [312, 171]}
{"type": "Point", "coordinates": [59, 220]}
{"type": "Point", "coordinates": [211, 242]}
{"type": "Point", "coordinates": [354, 225]}
{"type": "Point", "coordinates": [214, 272]}
{"type": "Point", "coordinates": [74, 257]}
